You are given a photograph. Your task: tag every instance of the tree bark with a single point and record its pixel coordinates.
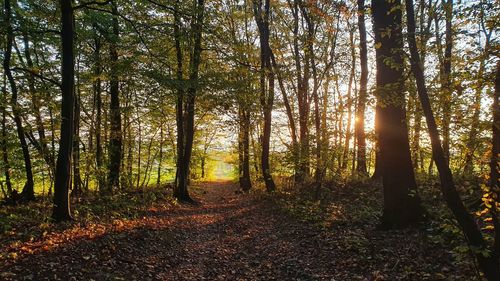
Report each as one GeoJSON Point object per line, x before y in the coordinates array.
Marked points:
{"type": "Point", "coordinates": [115, 138]}
{"type": "Point", "coordinates": [401, 201]}
{"type": "Point", "coordinates": [245, 180]}
{"type": "Point", "coordinates": [77, 179]}
{"type": "Point", "coordinates": [446, 83]}
{"type": "Point", "coordinates": [266, 87]}
{"type": "Point", "coordinates": [303, 101]}
{"type": "Point", "coordinates": [362, 95]}
{"type": "Point", "coordinates": [184, 158]}
{"type": "Point", "coordinates": [3, 143]}
{"type": "Point", "coordinates": [345, 153]}
{"type": "Point", "coordinates": [179, 106]}
{"type": "Point", "coordinates": [98, 119]}
{"type": "Point", "coordinates": [61, 210]}
{"type": "Point", "coordinates": [494, 161]}
{"type": "Point", "coordinates": [160, 158]}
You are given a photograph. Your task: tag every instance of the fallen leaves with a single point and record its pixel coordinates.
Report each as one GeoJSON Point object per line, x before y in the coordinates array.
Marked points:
{"type": "Point", "coordinates": [239, 237]}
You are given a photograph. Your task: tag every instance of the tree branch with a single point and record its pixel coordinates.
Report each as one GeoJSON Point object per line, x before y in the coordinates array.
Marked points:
{"type": "Point", "coordinates": [87, 4]}
{"type": "Point", "coordinates": [37, 75]}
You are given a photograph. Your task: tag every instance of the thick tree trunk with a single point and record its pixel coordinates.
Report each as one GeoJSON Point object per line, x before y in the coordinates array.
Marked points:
{"type": "Point", "coordinates": [489, 265]}
{"type": "Point", "coordinates": [362, 95]}
{"type": "Point", "coordinates": [28, 192]}
{"type": "Point", "coordinates": [115, 138]}
{"type": "Point", "coordinates": [401, 201]}
{"type": "Point", "coordinates": [61, 210]}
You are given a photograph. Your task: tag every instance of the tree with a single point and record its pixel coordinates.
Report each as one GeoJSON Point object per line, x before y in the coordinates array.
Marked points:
{"type": "Point", "coordinates": [244, 148]}
{"type": "Point", "coordinates": [472, 142]}
{"type": "Point", "coordinates": [489, 264]}
{"type": "Point", "coordinates": [494, 183]}
{"type": "Point", "coordinates": [97, 100]}
{"type": "Point", "coordinates": [61, 210]}
{"type": "Point", "coordinates": [446, 83]}
{"type": "Point", "coordinates": [401, 201]}
{"type": "Point", "coordinates": [362, 95]}
{"type": "Point", "coordinates": [303, 100]}
{"type": "Point", "coordinates": [115, 138]}
{"type": "Point", "coordinates": [28, 192]}
{"type": "Point", "coordinates": [261, 13]}
{"type": "Point", "coordinates": [185, 112]}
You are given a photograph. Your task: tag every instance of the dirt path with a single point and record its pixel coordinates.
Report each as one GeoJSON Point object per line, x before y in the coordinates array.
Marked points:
{"type": "Point", "coordinates": [228, 237]}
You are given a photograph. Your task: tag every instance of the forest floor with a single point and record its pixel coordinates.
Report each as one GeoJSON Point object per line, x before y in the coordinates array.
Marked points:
{"type": "Point", "coordinates": [229, 236]}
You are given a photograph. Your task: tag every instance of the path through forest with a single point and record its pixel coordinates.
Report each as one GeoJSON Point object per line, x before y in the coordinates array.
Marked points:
{"type": "Point", "coordinates": [230, 236]}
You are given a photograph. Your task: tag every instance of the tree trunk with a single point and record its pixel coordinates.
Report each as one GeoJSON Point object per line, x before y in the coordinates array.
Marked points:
{"type": "Point", "coordinates": [52, 146]}
{"type": "Point", "coordinates": [310, 56]}
{"type": "Point", "coordinates": [130, 152]}
{"type": "Point", "coordinates": [489, 265]}
{"type": "Point", "coordinates": [424, 30]}
{"type": "Point", "coordinates": [245, 180]}
{"type": "Point", "coordinates": [362, 95]}
{"type": "Point", "coordinates": [77, 180]}
{"type": "Point", "coordinates": [401, 201]}
{"type": "Point", "coordinates": [446, 83]}
{"type": "Point", "coordinates": [266, 88]}
{"type": "Point", "coordinates": [28, 192]}
{"type": "Point", "coordinates": [345, 153]}
{"type": "Point", "coordinates": [98, 118]}
{"type": "Point", "coordinates": [115, 138]}
{"type": "Point", "coordinates": [160, 158]}
{"type": "Point", "coordinates": [302, 97]}
{"type": "Point", "coordinates": [3, 143]}
{"type": "Point", "coordinates": [184, 158]}
{"type": "Point", "coordinates": [494, 162]}
{"type": "Point", "coordinates": [61, 210]}
{"type": "Point", "coordinates": [179, 107]}
{"type": "Point", "coordinates": [377, 173]}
